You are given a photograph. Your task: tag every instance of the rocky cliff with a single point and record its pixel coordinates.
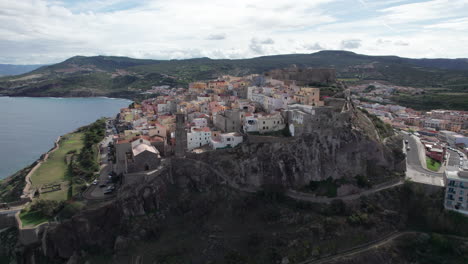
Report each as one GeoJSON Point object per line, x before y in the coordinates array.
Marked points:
{"type": "Point", "coordinates": [335, 144]}
{"type": "Point", "coordinates": [341, 144]}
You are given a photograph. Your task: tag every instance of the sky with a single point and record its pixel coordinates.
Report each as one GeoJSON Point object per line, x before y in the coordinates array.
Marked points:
{"type": "Point", "coordinates": [50, 31]}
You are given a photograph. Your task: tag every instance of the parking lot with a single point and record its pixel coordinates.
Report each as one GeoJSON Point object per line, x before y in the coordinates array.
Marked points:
{"type": "Point", "coordinates": [103, 186]}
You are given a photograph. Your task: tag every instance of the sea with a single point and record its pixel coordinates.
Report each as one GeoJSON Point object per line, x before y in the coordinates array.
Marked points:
{"type": "Point", "coordinates": [29, 125]}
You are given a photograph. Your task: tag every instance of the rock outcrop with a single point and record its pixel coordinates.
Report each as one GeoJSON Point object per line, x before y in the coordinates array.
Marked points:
{"type": "Point", "coordinates": [341, 144]}
{"type": "Point", "coordinates": [335, 144]}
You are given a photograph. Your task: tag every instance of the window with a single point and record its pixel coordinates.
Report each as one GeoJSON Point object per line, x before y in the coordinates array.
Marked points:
{"type": "Point", "coordinates": [228, 139]}
{"type": "Point", "coordinates": [460, 199]}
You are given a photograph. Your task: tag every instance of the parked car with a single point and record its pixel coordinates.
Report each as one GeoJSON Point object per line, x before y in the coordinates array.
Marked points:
{"type": "Point", "coordinates": [108, 191]}
{"type": "Point", "coordinates": [406, 141]}
{"type": "Point", "coordinates": [4, 206]}
{"type": "Point", "coordinates": [102, 185]}
{"type": "Point", "coordinates": [95, 182]}
{"type": "Point", "coordinates": [408, 148]}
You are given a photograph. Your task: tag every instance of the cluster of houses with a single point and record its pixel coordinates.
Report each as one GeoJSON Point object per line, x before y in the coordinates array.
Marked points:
{"type": "Point", "coordinates": [210, 115]}
{"type": "Point", "coordinates": [403, 117]}
{"type": "Point", "coordinates": [438, 131]}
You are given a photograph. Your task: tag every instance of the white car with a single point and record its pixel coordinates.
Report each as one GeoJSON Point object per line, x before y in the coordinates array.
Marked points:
{"type": "Point", "coordinates": [95, 182]}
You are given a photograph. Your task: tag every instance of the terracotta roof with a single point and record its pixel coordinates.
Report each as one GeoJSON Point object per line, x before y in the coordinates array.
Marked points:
{"type": "Point", "coordinates": [204, 129]}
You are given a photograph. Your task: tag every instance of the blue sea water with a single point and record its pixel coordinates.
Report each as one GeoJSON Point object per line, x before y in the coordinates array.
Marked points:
{"type": "Point", "coordinates": [29, 126]}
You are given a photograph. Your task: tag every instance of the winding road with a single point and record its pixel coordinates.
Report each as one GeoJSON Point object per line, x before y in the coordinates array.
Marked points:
{"type": "Point", "coordinates": [415, 158]}
{"type": "Point", "coordinates": [368, 246]}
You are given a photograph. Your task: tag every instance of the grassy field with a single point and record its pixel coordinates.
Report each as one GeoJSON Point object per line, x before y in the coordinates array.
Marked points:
{"type": "Point", "coordinates": [32, 218]}
{"type": "Point", "coordinates": [54, 170]}
{"type": "Point", "coordinates": [432, 164]}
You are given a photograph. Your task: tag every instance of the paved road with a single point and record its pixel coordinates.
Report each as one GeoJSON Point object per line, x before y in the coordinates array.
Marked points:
{"type": "Point", "coordinates": [11, 210]}
{"type": "Point", "coordinates": [415, 158]}
{"type": "Point", "coordinates": [320, 199]}
{"type": "Point", "coordinates": [359, 249]}
{"type": "Point", "coordinates": [301, 196]}
{"type": "Point", "coordinates": [94, 191]}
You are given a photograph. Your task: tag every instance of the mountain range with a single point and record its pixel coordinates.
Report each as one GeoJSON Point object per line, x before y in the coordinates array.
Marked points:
{"type": "Point", "coordinates": [11, 69]}
{"type": "Point", "coordinates": [443, 79]}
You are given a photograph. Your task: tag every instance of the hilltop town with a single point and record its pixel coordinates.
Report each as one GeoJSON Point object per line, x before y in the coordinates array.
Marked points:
{"type": "Point", "coordinates": [210, 115]}
{"type": "Point", "coordinates": [226, 145]}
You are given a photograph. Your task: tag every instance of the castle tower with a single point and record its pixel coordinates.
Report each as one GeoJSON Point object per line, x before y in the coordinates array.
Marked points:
{"type": "Point", "coordinates": [180, 135]}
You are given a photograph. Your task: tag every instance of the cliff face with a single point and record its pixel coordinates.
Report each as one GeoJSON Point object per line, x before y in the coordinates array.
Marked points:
{"type": "Point", "coordinates": [340, 145]}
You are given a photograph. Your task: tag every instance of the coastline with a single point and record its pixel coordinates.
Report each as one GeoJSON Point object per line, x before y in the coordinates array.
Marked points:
{"type": "Point", "coordinates": [36, 123]}
{"type": "Point", "coordinates": [26, 195]}
{"type": "Point", "coordinates": [65, 97]}
{"type": "Point", "coordinates": [130, 96]}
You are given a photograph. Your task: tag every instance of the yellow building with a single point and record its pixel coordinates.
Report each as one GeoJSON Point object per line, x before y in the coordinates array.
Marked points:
{"type": "Point", "coordinates": [198, 87]}
{"type": "Point", "coordinates": [308, 96]}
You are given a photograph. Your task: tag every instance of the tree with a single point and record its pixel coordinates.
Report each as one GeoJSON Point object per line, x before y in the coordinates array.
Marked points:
{"type": "Point", "coordinates": [47, 208]}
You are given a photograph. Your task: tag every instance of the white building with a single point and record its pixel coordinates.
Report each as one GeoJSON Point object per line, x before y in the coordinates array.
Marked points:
{"type": "Point", "coordinates": [250, 124]}
{"type": "Point", "coordinates": [140, 122]}
{"type": "Point", "coordinates": [271, 104]}
{"type": "Point", "coordinates": [200, 122]}
{"type": "Point", "coordinates": [163, 108]}
{"type": "Point", "coordinates": [264, 123]}
{"type": "Point", "coordinates": [456, 191]}
{"type": "Point", "coordinates": [453, 138]}
{"type": "Point", "coordinates": [198, 137]}
{"type": "Point", "coordinates": [258, 98]}
{"type": "Point", "coordinates": [226, 140]}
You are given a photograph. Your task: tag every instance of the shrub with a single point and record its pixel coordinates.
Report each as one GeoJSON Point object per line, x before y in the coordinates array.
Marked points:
{"type": "Point", "coordinates": [337, 207]}
{"type": "Point", "coordinates": [70, 210]}
{"type": "Point", "coordinates": [359, 219]}
{"type": "Point", "coordinates": [272, 193]}
{"type": "Point", "coordinates": [47, 208]}
{"type": "Point", "coordinates": [362, 181]}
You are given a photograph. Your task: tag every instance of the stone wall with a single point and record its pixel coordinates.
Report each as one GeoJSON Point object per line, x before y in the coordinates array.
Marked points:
{"type": "Point", "coordinates": [7, 220]}
{"type": "Point", "coordinates": [303, 76]}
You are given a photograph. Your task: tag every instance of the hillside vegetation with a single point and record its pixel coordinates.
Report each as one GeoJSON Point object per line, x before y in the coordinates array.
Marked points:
{"type": "Point", "coordinates": [127, 77]}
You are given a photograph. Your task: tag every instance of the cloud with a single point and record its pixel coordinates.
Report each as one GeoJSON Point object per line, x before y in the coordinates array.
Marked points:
{"type": "Point", "coordinates": [259, 46]}
{"type": "Point", "coordinates": [48, 31]}
{"type": "Point", "coordinates": [315, 46]}
{"type": "Point", "coordinates": [387, 42]}
{"type": "Point", "coordinates": [424, 11]}
{"type": "Point", "coordinates": [216, 37]}
{"type": "Point", "coordinates": [267, 41]}
{"type": "Point", "coordinates": [401, 43]}
{"type": "Point", "coordinates": [350, 44]}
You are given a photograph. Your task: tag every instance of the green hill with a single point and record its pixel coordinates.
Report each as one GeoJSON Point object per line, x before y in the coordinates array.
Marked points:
{"type": "Point", "coordinates": [127, 77]}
